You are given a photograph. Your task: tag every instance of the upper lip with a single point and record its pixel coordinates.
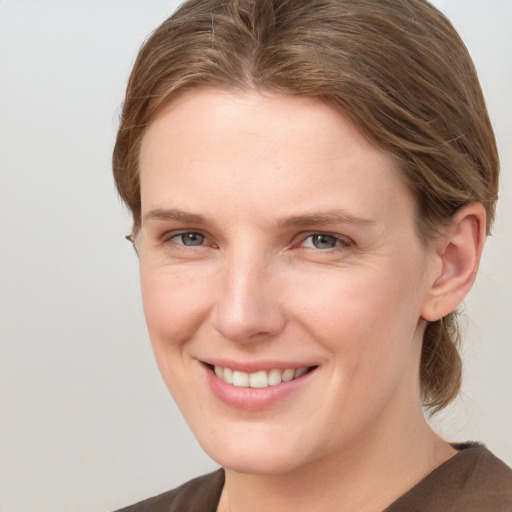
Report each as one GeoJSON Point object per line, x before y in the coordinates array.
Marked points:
{"type": "Point", "coordinates": [255, 366]}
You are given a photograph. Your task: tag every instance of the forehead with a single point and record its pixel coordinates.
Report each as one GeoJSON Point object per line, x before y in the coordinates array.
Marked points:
{"type": "Point", "coordinates": [208, 116]}
{"type": "Point", "coordinates": [248, 147]}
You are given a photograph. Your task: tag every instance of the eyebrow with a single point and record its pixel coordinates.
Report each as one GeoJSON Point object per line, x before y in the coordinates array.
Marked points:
{"type": "Point", "coordinates": [322, 218]}
{"type": "Point", "coordinates": [311, 219]}
{"type": "Point", "coordinates": [174, 214]}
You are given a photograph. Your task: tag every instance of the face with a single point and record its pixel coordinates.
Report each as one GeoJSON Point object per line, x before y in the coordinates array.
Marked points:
{"type": "Point", "coordinates": [283, 280]}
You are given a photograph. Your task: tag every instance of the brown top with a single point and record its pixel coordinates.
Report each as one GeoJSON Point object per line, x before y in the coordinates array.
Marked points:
{"type": "Point", "coordinates": [473, 480]}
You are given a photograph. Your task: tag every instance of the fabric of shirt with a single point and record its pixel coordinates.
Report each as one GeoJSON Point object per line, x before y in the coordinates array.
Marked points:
{"type": "Point", "coordinates": [473, 480]}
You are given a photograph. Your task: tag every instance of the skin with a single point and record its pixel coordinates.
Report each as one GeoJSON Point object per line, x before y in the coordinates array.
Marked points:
{"type": "Point", "coordinates": [256, 176]}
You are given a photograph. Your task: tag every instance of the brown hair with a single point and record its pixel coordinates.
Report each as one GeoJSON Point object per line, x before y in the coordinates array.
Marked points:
{"type": "Point", "coordinates": [396, 68]}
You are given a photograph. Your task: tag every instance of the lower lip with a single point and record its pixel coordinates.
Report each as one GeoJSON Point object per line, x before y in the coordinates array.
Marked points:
{"type": "Point", "coordinates": [253, 399]}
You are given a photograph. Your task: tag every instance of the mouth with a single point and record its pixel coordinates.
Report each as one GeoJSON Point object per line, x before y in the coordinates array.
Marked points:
{"type": "Point", "coordinates": [260, 387]}
{"type": "Point", "coordinates": [261, 378]}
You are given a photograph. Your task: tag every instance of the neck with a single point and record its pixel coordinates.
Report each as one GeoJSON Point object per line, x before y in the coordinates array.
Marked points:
{"type": "Point", "coordinates": [367, 477]}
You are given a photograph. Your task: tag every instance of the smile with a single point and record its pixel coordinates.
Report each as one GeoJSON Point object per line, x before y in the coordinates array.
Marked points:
{"type": "Point", "coordinates": [259, 379]}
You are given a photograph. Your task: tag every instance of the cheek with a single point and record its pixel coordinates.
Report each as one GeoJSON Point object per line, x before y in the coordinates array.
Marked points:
{"type": "Point", "coordinates": [366, 316]}
{"type": "Point", "coordinates": [174, 306]}
{"type": "Point", "coordinates": [174, 311]}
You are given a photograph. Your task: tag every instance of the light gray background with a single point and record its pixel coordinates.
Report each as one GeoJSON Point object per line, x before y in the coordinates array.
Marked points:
{"type": "Point", "coordinates": [85, 422]}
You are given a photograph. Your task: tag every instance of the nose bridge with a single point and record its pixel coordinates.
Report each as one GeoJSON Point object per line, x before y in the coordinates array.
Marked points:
{"type": "Point", "coordinates": [247, 307]}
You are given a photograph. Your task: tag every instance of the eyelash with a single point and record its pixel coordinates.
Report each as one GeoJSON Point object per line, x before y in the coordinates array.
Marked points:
{"type": "Point", "coordinates": [170, 238]}
{"type": "Point", "coordinates": [342, 242]}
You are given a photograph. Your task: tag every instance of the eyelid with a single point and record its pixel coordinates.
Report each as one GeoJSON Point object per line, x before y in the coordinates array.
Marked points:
{"type": "Point", "coordinates": [344, 240]}
{"type": "Point", "coordinates": [170, 236]}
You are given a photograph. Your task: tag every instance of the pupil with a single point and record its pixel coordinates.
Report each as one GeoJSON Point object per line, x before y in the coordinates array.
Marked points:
{"type": "Point", "coordinates": [324, 241]}
{"type": "Point", "coordinates": [192, 239]}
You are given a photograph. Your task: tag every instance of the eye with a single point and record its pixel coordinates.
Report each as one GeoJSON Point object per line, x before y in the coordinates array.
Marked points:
{"type": "Point", "coordinates": [324, 241]}
{"type": "Point", "coordinates": [188, 238]}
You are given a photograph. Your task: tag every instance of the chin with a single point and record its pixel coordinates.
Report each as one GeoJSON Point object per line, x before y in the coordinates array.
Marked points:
{"type": "Point", "coordinates": [256, 452]}
{"type": "Point", "coordinates": [261, 463]}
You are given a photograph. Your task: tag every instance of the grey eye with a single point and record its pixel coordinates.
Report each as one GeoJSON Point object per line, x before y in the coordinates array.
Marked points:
{"type": "Point", "coordinates": [190, 239]}
{"type": "Point", "coordinates": [324, 241]}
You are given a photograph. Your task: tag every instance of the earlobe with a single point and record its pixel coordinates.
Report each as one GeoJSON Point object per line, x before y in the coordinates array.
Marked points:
{"type": "Point", "coordinates": [458, 251]}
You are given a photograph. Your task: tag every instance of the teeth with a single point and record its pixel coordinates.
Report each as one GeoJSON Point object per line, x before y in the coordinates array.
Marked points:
{"type": "Point", "coordinates": [299, 372]}
{"type": "Point", "coordinates": [274, 377]}
{"type": "Point", "coordinates": [260, 379]}
{"type": "Point", "coordinates": [288, 375]}
{"type": "Point", "coordinates": [240, 379]}
{"type": "Point", "coordinates": [228, 375]}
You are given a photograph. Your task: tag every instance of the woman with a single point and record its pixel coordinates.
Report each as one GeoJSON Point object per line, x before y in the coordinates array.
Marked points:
{"type": "Point", "coordinates": [311, 184]}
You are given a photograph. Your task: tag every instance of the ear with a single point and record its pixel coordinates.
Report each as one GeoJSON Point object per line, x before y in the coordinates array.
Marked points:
{"type": "Point", "coordinates": [456, 258]}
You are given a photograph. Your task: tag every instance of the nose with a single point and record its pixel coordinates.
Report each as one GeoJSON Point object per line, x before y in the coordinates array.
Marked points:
{"type": "Point", "coordinates": [247, 308]}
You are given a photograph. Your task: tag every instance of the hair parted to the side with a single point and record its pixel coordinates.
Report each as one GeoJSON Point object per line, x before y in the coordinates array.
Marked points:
{"type": "Point", "coordinates": [396, 68]}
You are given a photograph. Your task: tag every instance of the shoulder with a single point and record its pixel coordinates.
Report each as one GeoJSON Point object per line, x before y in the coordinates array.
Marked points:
{"type": "Point", "coordinates": [488, 485]}
{"type": "Point", "coordinates": [473, 480]}
{"type": "Point", "coordinates": [202, 493]}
